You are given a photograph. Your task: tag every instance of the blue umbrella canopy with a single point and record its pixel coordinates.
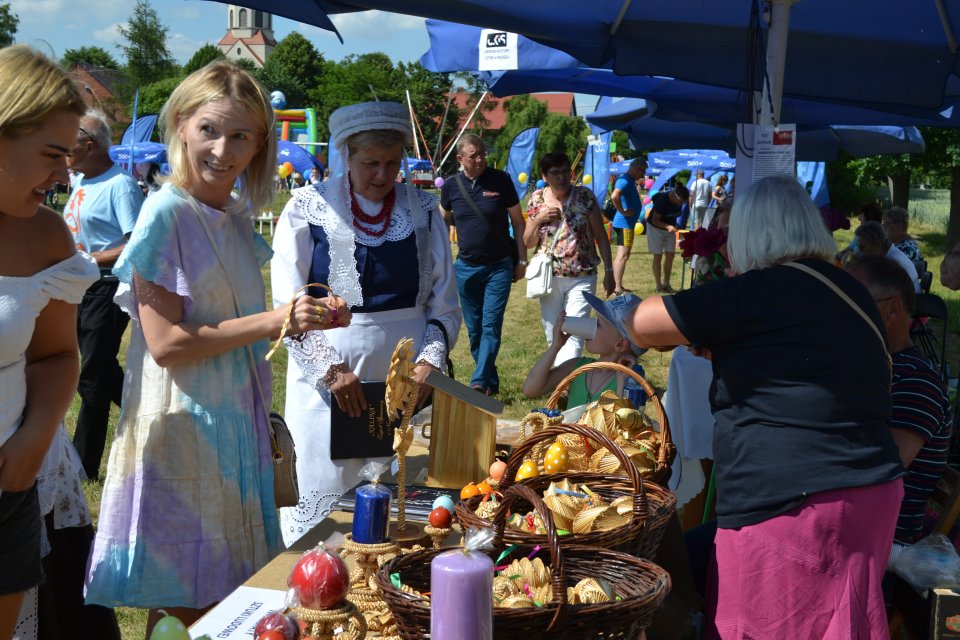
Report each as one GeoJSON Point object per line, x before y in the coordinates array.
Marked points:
{"type": "Point", "coordinates": [856, 51]}
{"type": "Point", "coordinates": [301, 159]}
{"type": "Point", "coordinates": [455, 47]}
{"type": "Point", "coordinates": [142, 152]}
{"type": "Point", "coordinates": [646, 131]}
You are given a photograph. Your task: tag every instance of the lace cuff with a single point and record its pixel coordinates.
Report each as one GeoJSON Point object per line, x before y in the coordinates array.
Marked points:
{"type": "Point", "coordinates": [434, 351]}
{"type": "Point", "coordinates": [315, 356]}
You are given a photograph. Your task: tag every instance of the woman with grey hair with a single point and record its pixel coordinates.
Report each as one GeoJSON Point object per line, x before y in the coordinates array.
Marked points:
{"type": "Point", "coordinates": [808, 476]}
{"type": "Point", "coordinates": [872, 240]}
{"type": "Point", "coordinates": [383, 247]}
{"type": "Point", "coordinates": [896, 221]}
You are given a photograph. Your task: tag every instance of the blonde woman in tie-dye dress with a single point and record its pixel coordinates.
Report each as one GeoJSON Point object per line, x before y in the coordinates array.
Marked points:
{"type": "Point", "coordinates": [188, 511]}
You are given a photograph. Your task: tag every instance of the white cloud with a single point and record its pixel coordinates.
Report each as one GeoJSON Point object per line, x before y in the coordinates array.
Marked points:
{"type": "Point", "coordinates": [90, 7]}
{"type": "Point", "coordinates": [182, 48]}
{"type": "Point", "coordinates": [109, 34]}
{"type": "Point", "coordinates": [373, 24]}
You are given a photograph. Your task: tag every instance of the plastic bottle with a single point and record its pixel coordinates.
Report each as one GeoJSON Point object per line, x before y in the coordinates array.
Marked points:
{"type": "Point", "coordinates": [632, 390]}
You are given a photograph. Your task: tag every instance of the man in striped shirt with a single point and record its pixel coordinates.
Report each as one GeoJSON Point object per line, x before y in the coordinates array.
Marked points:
{"type": "Point", "coordinates": [920, 423]}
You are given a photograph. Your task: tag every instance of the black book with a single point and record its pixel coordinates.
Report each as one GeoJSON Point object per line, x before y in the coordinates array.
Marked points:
{"type": "Point", "coordinates": [419, 499]}
{"type": "Point", "coordinates": [370, 435]}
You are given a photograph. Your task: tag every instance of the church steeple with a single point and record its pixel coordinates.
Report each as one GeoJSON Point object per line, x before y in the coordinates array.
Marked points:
{"type": "Point", "coordinates": [249, 34]}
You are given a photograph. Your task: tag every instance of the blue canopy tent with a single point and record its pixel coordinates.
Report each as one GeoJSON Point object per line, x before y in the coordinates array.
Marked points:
{"type": "Point", "coordinates": [454, 47]}
{"type": "Point", "coordinates": [877, 51]}
{"type": "Point", "coordinates": [646, 131]}
{"type": "Point", "coordinates": [142, 152]}
{"type": "Point", "coordinates": [418, 164]}
{"type": "Point", "coordinates": [301, 159]}
{"type": "Point", "coordinates": [140, 130]}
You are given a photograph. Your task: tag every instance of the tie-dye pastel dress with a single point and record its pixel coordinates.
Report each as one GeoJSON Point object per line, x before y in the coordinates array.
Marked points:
{"type": "Point", "coordinates": [187, 512]}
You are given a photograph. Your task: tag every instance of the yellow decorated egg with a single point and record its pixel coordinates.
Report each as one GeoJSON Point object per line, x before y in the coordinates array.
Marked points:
{"type": "Point", "coordinates": [555, 460]}
{"type": "Point", "coordinates": [527, 470]}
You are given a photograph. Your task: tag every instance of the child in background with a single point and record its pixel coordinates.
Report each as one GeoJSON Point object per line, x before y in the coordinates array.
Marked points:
{"type": "Point", "coordinates": [610, 343]}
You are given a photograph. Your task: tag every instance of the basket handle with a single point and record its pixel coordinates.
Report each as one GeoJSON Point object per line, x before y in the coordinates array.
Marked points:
{"type": "Point", "coordinates": [558, 576]}
{"type": "Point", "coordinates": [639, 506]}
{"type": "Point", "coordinates": [666, 438]}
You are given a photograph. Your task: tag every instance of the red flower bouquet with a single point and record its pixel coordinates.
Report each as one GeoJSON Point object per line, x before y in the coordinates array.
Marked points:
{"type": "Point", "coordinates": [704, 246]}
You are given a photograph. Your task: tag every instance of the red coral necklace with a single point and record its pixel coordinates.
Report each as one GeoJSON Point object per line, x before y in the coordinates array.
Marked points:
{"type": "Point", "coordinates": [368, 221]}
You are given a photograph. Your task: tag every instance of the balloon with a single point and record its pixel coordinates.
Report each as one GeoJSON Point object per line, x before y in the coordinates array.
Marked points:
{"type": "Point", "coordinates": [278, 100]}
{"type": "Point", "coordinates": [648, 183]}
{"type": "Point", "coordinates": [638, 229]}
{"type": "Point", "coordinates": [169, 628]}
{"type": "Point", "coordinates": [283, 171]}
{"type": "Point", "coordinates": [289, 166]}
{"type": "Point", "coordinates": [522, 177]}
{"type": "Point", "coordinates": [646, 200]}
{"type": "Point", "coordinates": [587, 179]}
{"type": "Point", "coordinates": [438, 182]}
{"type": "Point", "coordinates": [541, 183]}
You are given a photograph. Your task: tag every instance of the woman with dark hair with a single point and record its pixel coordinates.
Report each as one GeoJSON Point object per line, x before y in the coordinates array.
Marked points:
{"type": "Point", "coordinates": [566, 217]}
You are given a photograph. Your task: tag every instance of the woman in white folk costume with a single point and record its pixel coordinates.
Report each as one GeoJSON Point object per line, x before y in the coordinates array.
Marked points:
{"type": "Point", "coordinates": [383, 247]}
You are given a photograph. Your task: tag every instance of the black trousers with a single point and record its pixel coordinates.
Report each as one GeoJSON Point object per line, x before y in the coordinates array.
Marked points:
{"type": "Point", "coordinates": [100, 326]}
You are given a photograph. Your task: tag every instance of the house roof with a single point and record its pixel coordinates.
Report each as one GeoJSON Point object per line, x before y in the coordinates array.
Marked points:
{"type": "Point", "coordinates": [258, 37]}
{"type": "Point", "coordinates": [230, 40]}
{"type": "Point", "coordinates": [562, 103]}
{"type": "Point", "coordinates": [108, 78]}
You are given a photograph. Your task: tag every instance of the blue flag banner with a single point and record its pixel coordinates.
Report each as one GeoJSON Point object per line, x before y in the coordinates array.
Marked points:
{"type": "Point", "coordinates": [814, 173]}
{"type": "Point", "coordinates": [521, 159]}
{"type": "Point", "coordinates": [141, 130]}
{"type": "Point", "coordinates": [597, 164]}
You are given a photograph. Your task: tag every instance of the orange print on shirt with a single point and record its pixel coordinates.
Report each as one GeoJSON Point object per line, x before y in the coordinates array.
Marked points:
{"type": "Point", "coordinates": [72, 213]}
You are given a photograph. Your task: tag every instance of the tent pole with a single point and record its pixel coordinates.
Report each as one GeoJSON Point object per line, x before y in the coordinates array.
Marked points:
{"type": "Point", "coordinates": [464, 128]}
{"type": "Point", "coordinates": [413, 125]}
{"type": "Point", "coordinates": [776, 60]}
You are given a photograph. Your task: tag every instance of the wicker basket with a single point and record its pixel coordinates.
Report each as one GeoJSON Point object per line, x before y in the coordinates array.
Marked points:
{"type": "Point", "coordinates": [667, 449]}
{"type": "Point", "coordinates": [640, 585]}
{"type": "Point", "coordinates": [651, 507]}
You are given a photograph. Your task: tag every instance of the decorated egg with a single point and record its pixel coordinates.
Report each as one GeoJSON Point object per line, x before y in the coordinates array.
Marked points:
{"type": "Point", "coordinates": [527, 470]}
{"type": "Point", "coordinates": [440, 518]}
{"type": "Point", "coordinates": [484, 487]}
{"type": "Point", "coordinates": [469, 491]}
{"type": "Point", "coordinates": [497, 469]}
{"type": "Point", "coordinates": [444, 501]}
{"type": "Point", "coordinates": [555, 460]}
{"type": "Point", "coordinates": [170, 628]}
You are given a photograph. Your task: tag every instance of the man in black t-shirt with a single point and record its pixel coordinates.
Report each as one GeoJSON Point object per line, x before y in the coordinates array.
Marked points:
{"type": "Point", "coordinates": [662, 232]}
{"type": "Point", "coordinates": [482, 203]}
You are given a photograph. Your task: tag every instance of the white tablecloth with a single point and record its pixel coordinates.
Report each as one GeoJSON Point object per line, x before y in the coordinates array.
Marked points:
{"type": "Point", "coordinates": [691, 421]}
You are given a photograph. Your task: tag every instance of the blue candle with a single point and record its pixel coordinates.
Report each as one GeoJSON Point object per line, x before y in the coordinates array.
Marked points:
{"type": "Point", "coordinates": [371, 515]}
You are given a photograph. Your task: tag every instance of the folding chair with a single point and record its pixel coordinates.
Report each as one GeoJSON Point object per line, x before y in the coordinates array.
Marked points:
{"type": "Point", "coordinates": [930, 335]}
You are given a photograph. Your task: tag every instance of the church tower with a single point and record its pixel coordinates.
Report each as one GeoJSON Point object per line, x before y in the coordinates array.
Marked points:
{"type": "Point", "coordinates": [249, 35]}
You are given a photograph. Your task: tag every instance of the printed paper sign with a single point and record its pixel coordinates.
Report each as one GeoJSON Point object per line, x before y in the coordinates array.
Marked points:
{"type": "Point", "coordinates": [774, 150]}
{"type": "Point", "coordinates": [498, 50]}
{"type": "Point", "coordinates": [238, 614]}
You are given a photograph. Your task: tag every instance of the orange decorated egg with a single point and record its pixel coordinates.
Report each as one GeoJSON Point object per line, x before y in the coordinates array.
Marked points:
{"type": "Point", "coordinates": [469, 491]}
{"type": "Point", "coordinates": [484, 487]}
{"type": "Point", "coordinates": [497, 469]}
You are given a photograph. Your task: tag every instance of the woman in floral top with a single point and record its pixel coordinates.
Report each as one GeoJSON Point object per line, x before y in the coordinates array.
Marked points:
{"type": "Point", "coordinates": [568, 214]}
{"type": "Point", "coordinates": [896, 220]}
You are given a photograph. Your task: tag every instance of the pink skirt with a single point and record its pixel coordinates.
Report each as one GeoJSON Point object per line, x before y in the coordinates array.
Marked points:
{"type": "Point", "coordinates": [813, 572]}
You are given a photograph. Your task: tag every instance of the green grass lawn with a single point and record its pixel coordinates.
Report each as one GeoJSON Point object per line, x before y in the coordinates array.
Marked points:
{"type": "Point", "coordinates": [524, 341]}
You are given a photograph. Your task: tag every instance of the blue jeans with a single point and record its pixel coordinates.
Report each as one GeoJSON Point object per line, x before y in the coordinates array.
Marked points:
{"type": "Point", "coordinates": [484, 290]}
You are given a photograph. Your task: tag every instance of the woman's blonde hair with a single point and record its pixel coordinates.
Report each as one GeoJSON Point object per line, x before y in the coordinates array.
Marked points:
{"type": "Point", "coordinates": [33, 88]}
{"type": "Point", "coordinates": [775, 221]}
{"type": "Point", "coordinates": [216, 81]}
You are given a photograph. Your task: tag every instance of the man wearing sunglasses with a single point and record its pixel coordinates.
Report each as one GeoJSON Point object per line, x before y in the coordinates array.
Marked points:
{"type": "Point", "coordinates": [101, 213]}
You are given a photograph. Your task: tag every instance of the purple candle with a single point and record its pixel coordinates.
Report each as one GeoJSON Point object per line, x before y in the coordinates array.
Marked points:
{"type": "Point", "coordinates": [461, 596]}
{"type": "Point", "coordinates": [371, 515]}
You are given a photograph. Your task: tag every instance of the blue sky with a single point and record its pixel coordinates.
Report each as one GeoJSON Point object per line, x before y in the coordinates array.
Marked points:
{"type": "Point", "coordinates": [69, 24]}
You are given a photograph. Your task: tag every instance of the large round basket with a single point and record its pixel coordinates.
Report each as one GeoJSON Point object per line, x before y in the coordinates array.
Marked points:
{"type": "Point", "coordinates": [639, 585]}
{"type": "Point", "coordinates": [651, 506]}
{"type": "Point", "coordinates": [667, 451]}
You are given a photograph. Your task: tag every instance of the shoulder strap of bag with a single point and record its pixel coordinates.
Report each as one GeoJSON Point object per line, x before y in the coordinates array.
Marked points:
{"type": "Point", "coordinates": [477, 212]}
{"type": "Point", "coordinates": [236, 306]}
{"type": "Point", "coordinates": [853, 305]}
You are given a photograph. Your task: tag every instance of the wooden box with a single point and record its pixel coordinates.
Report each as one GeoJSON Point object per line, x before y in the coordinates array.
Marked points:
{"type": "Point", "coordinates": [463, 433]}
